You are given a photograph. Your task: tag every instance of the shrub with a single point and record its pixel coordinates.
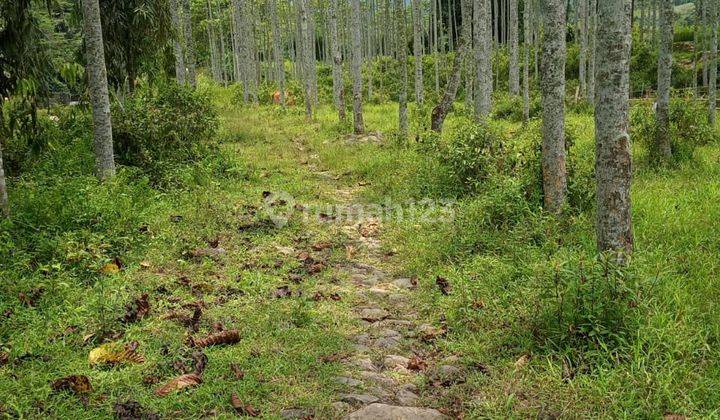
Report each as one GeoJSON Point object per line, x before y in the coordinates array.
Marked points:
{"type": "Point", "coordinates": [587, 306]}
{"type": "Point", "coordinates": [157, 129]}
{"type": "Point", "coordinates": [688, 125]}
{"type": "Point", "coordinates": [511, 107]}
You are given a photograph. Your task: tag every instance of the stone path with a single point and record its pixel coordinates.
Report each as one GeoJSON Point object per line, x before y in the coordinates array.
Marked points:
{"type": "Point", "coordinates": [385, 374]}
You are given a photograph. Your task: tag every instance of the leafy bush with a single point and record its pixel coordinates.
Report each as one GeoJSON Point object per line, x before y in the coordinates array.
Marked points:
{"type": "Point", "coordinates": [587, 306]}
{"type": "Point", "coordinates": [511, 107]}
{"type": "Point", "coordinates": [689, 127]}
{"type": "Point", "coordinates": [159, 128]}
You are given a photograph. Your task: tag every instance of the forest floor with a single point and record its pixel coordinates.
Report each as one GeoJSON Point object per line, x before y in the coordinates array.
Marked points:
{"type": "Point", "coordinates": [340, 303]}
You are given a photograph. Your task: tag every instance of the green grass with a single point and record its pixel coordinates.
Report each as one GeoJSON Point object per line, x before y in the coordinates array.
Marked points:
{"type": "Point", "coordinates": [500, 254]}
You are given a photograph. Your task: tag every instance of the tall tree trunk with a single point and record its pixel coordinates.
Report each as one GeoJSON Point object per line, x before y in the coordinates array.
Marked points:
{"type": "Point", "coordinates": [402, 56]}
{"type": "Point", "coordinates": [4, 203]}
{"type": "Point", "coordinates": [311, 51]}
{"type": "Point", "coordinates": [483, 58]}
{"type": "Point", "coordinates": [98, 86]}
{"type": "Point", "coordinates": [592, 41]}
{"type": "Point", "coordinates": [613, 160]}
{"type": "Point", "coordinates": [305, 58]}
{"type": "Point", "coordinates": [189, 44]}
{"type": "Point", "coordinates": [337, 70]}
{"type": "Point", "coordinates": [215, 68]}
{"type": "Point", "coordinates": [241, 43]}
{"type": "Point", "coordinates": [661, 150]}
{"type": "Point", "coordinates": [526, 61]}
{"type": "Point", "coordinates": [705, 40]}
{"type": "Point", "coordinates": [514, 76]}
{"type": "Point", "coordinates": [277, 51]}
{"type": "Point", "coordinates": [177, 43]}
{"type": "Point", "coordinates": [713, 62]}
{"type": "Point", "coordinates": [417, 51]}
{"type": "Point", "coordinates": [436, 41]}
{"type": "Point", "coordinates": [467, 17]}
{"type": "Point", "coordinates": [582, 38]}
{"type": "Point", "coordinates": [553, 104]}
{"type": "Point", "coordinates": [356, 68]}
{"type": "Point", "coordinates": [439, 113]}
{"type": "Point", "coordinates": [495, 16]}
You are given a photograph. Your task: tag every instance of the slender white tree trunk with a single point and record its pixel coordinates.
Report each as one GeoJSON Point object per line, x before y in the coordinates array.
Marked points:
{"type": "Point", "coordinates": [4, 203]}
{"type": "Point", "coordinates": [713, 62]}
{"type": "Point", "coordinates": [482, 32]}
{"type": "Point", "coordinates": [189, 44]}
{"type": "Point", "coordinates": [338, 79]}
{"type": "Point", "coordinates": [613, 160]}
{"type": "Point", "coordinates": [582, 38]}
{"type": "Point", "coordinates": [526, 61]}
{"type": "Point", "coordinates": [402, 56]}
{"type": "Point", "coordinates": [277, 51]}
{"type": "Point", "coordinates": [417, 51]}
{"type": "Point", "coordinates": [662, 150]}
{"type": "Point", "coordinates": [305, 59]}
{"type": "Point", "coordinates": [553, 101]}
{"type": "Point", "coordinates": [592, 41]}
{"type": "Point", "coordinates": [356, 67]}
{"type": "Point", "coordinates": [177, 42]}
{"type": "Point", "coordinates": [514, 76]}
{"type": "Point", "coordinates": [98, 86]}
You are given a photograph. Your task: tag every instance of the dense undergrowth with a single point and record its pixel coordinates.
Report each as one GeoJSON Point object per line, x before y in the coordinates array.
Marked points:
{"type": "Point", "coordinates": [545, 325]}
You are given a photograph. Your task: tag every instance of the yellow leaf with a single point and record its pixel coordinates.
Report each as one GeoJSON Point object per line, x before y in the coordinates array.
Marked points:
{"type": "Point", "coordinates": [110, 268]}
{"type": "Point", "coordinates": [113, 353]}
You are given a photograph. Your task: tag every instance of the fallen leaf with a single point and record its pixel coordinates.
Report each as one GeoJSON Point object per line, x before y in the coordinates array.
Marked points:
{"type": "Point", "coordinates": [178, 383]}
{"type": "Point", "coordinates": [416, 363]}
{"type": "Point", "coordinates": [30, 299]}
{"type": "Point", "coordinates": [4, 358]}
{"type": "Point", "coordinates": [223, 337]}
{"type": "Point", "coordinates": [324, 217]}
{"type": "Point", "coordinates": [674, 416]}
{"type": "Point", "coordinates": [79, 384]}
{"type": "Point", "coordinates": [522, 361]}
{"type": "Point", "coordinates": [321, 246]}
{"type": "Point", "coordinates": [282, 292]}
{"type": "Point", "coordinates": [110, 268]}
{"type": "Point", "coordinates": [239, 374]}
{"type": "Point", "coordinates": [241, 408]}
{"type": "Point", "coordinates": [200, 362]}
{"type": "Point", "coordinates": [114, 353]}
{"type": "Point", "coordinates": [137, 310]}
{"type": "Point", "coordinates": [131, 410]}
{"type": "Point", "coordinates": [316, 268]}
{"type": "Point", "coordinates": [296, 278]}
{"type": "Point", "coordinates": [176, 219]}
{"type": "Point", "coordinates": [145, 264]}
{"type": "Point", "coordinates": [443, 284]}
{"type": "Point", "coordinates": [350, 252]}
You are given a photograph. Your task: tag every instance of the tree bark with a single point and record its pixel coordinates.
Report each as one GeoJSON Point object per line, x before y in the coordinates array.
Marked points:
{"type": "Point", "coordinates": [337, 70]}
{"type": "Point", "coordinates": [482, 32]}
{"type": "Point", "coordinates": [277, 52]}
{"type": "Point", "coordinates": [4, 203]}
{"type": "Point", "coordinates": [189, 44]}
{"type": "Point", "coordinates": [98, 86]}
{"type": "Point", "coordinates": [177, 42]}
{"type": "Point", "coordinates": [439, 113]}
{"type": "Point", "coordinates": [356, 68]}
{"type": "Point", "coordinates": [466, 33]}
{"type": "Point", "coordinates": [553, 102]}
{"type": "Point", "coordinates": [613, 164]}
{"type": "Point", "coordinates": [662, 151]}
{"type": "Point", "coordinates": [592, 41]}
{"type": "Point", "coordinates": [402, 56]}
{"type": "Point", "coordinates": [713, 62]}
{"type": "Point", "coordinates": [526, 61]}
{"type": "Point", "coordinates": [514, 76]}
{"type": "Point", "coordinates": [305, 59]}
{"type": "Point", "coordinates": [417, 51]}
{"type": "Point", "coordinates": [582, 38]}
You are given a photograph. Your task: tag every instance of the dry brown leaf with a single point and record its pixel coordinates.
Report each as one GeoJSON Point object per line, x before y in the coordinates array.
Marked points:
{"type": "Point", "coordinates": [178, 383]}
{"type": "Point", "coordinates": [242, 408]}
{"type": "Point", "coordinates": [137, 310]}
{"type": "Point", "coordinates": [282, 292]}
{"type": "Point", "coordinates": [522, 361]}
{"type": "Point", "coordinates": [79, 384]}
{"type": "Point", "coordinates": [239, 374]}
{"type": "Point", "coordinates": [222, 337]}
{"type": "Point", "coordinates": [321, 246]}
{"type": "Point", "coordinates": [110, 268]}
{"type": "Point", "coordinates": [443, 284]}
{"type": "Point", "coordinates": [416, 363]}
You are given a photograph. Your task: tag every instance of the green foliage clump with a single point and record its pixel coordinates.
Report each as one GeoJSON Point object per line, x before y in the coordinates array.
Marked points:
{"type": "Point", "coordinates": [689, 127]}
{"type": "Point", "coordinates": [588, 307]}
{"type": "Point", "coordinates": [158, 129]}
{"type": "Point", "coordinates": [511, 107]}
